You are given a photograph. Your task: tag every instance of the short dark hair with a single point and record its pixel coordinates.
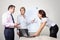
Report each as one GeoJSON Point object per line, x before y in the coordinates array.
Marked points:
{"type": "Point", "coordinates": [10, 6]}
{"type": "Point", "coordinates": [22, 8]}
{"type": "Point", "coordinates": [42, 12]}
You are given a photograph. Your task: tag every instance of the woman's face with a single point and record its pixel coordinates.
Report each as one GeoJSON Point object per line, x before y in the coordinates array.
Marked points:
{"type": "Point", "coordinates": [22, 11]}
{"type": "Point", "coordinates": [39, 15]}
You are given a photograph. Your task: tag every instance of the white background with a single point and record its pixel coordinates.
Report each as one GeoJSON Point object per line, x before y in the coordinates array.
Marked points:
{"type": "Point", "coordinates": [52, 8]}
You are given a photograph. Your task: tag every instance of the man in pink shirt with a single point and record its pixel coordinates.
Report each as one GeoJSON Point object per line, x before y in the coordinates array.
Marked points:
{"type": "Point", "coordinates": [9, 23]}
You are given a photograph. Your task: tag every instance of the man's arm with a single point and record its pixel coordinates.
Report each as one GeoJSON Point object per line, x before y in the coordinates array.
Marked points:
{"type": "Point", "coordinates": [6, 22]}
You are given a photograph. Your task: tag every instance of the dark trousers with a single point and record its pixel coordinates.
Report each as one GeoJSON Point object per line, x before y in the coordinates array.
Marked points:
{"type": "Point", "coordinates": [9, 33]}
{"type": "Point", "coordinates": [53, 31]}
{"type": "Point", "coordinates": [22, 32]}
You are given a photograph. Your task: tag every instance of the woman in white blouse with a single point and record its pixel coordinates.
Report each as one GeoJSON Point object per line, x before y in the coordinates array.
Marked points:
{"type": "Point", "coordinates": [45, 21]}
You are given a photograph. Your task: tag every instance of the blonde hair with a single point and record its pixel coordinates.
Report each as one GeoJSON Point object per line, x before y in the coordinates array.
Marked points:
{"type": "Point", "coordinates": [22, 8]}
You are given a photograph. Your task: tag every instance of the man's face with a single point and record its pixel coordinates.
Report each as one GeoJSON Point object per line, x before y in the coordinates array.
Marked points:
{"type": "Point", "coordinates": [22, 11]}
{"type": "Point", "coordinates": [12, 9]}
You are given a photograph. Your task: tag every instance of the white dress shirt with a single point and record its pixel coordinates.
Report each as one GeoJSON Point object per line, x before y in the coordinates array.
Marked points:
{"type": "Point", "coordinates": [49, 23]}
{"type": "Point", "coordinates": [22, 21]}
{"type": "Point", "coordinates": [33, 27]}
{"type": "Point", "coordinates": [25, 23]}
{"type": "Point", "coordinates": [7, 20]}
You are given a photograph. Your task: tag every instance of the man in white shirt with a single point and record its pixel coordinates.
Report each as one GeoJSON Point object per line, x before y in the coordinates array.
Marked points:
{"type": "Point", "coordinates": [9, 23]}
{"type": "Point", "coordinates": [21, 19]}
{"type": "Point", "coordinates": [22, 30]}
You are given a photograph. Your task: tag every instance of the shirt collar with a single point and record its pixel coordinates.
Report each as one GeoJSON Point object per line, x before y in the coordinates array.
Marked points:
{"type": "Point", "coordinates": [9, 12]}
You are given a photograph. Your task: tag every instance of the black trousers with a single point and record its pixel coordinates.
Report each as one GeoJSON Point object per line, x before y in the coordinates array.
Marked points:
{"type": "Point", "coordinates": [23, 33]}
{"type": "Point", "coordinates": [9, 33]}
{"type": "Point", "coordinates": [54, 31]}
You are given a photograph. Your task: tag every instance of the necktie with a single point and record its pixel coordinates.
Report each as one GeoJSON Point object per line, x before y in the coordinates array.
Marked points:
{"type": "Point", "coordinates": [12, 18]}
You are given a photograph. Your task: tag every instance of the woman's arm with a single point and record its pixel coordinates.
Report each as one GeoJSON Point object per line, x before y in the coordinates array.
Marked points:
{"type": "Point", "coordinates": [40, 29]}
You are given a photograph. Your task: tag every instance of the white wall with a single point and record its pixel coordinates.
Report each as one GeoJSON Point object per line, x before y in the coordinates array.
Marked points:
{"type": "Point", "coordinates": [52, 8]}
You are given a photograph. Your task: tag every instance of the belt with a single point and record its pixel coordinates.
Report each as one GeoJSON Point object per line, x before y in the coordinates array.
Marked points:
{"type": "Point", "coordinates": [8, 28]}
